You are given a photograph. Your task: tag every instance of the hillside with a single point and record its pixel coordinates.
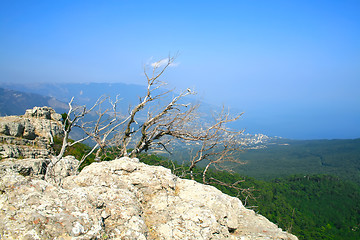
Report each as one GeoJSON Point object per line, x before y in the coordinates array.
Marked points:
{"type": "Point", "coordinates": [84, 93]}
{"type": "Point", "coordinates": [16, 102]}
{"type": "Point", "coordinates": [279, 157]}
{"type": "Point", "coordinates": [312, 207]}
{"type": "Point", "coordinates": [336, 157]}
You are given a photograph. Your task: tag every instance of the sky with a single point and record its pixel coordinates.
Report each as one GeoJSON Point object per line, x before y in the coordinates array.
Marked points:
{"type": "Point", "coordinates": [293, 67]}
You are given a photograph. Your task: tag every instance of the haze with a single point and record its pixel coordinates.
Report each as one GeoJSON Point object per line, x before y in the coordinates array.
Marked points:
{"type": "Point", "coordinates": [293, 67]}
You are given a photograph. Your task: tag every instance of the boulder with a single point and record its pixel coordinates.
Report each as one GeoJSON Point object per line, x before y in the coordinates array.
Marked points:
{"type": "Point", "coordinates": [124, 199]}
{"type": "Point", "coordinates": [43, 112]}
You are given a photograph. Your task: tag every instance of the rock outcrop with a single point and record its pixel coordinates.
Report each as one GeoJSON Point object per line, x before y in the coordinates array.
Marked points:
{"type": "Point", "coordinates": [119, 199]}
{"type": "Point", "coordinates": [122, 199]}
{"type": "Point", "coordinates": [29, 135]}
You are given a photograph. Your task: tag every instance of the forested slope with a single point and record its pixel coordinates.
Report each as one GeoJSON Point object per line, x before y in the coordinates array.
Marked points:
{"type": "Point", "coordinates": [310, 206]}
{"type": "Point", "coordinates": [336, 157]}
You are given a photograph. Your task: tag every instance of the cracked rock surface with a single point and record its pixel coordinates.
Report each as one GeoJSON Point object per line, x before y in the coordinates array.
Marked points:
{"type": "Point", "coordinates": [124, 199]}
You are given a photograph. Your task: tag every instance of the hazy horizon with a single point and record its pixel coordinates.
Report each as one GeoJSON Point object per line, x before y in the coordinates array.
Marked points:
{"type": "Point", "coordinates": [292, 67]}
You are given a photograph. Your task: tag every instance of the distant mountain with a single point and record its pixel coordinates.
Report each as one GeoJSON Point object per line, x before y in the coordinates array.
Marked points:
{"type": "Point", "coordinates": [88, 93]}
{"type": "Point", "coordinates": [15, 102]}
{"type": "Point", "coordinates": [83, 93]}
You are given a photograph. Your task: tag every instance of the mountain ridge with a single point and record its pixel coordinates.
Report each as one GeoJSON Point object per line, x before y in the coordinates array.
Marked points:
{"type": "Point", "coordinates": [13, 102]}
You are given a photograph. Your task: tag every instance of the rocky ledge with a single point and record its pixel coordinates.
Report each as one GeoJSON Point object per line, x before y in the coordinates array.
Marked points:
{"type": "Point", "coordinates": [122, 199]}
{"type": "Point", "coordinates": [29, 135]}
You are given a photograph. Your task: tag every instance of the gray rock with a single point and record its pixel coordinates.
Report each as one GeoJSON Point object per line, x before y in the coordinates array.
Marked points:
{"type": "Point", "coordinates": [36, 129]}
{"type": "Point", "coordinates": [15, 128]}
{"type": "Point", "coordinates": [25, 167]}
{"type": "Point", "coordinates": [67, 166]}
{"type": "Point", "coordinates": [36, 167]}
{"type": "Point", "coordinates": [42, 112]}
{"type": "Point", "coordinates": [124, 199]}
{"type": "Point", "coordinates": [24, 151]}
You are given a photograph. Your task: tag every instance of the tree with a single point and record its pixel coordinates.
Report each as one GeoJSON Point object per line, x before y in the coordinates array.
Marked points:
{"type": "Point", "coordinates": [219, 144]}
{"type": "Point", "coordinates": [159, 119]}
{"type": "Point", "coordinates": [70, 119]}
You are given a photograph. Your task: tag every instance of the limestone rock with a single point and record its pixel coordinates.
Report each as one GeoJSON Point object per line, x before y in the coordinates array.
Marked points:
{"type": "Point", "coordinates": [67, 166]}
{"type": "Point", "coordinates": [43, 112]}
{"type": "Point", "coordinates": [29, 135]}
{"type": "Point", "coordinates": [25, 167]}
{"type": "Point", "coordinates": [36, 168]}
{"type": "Point", "coordinates": [19, 151]}
{"type": "Point", "coordinates": [124, 199]}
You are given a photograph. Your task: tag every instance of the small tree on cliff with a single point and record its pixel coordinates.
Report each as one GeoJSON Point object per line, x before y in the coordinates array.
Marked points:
{"type": "Point", "coordinates": [160, 118]}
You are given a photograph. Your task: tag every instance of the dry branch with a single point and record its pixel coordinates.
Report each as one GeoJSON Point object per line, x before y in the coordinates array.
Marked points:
{"type": "Point", "coordinates": [153, 124]}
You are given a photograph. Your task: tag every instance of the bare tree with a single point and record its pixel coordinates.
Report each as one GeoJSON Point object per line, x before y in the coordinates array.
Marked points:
{"type": "Point", "coordinates": [97, 130]}
{"type": "Point", "coordinates": [177, 120]}
{"type": "Point", "coordinates": [73, 115]}
{"type": "Point", "coordinates": [167, 120]}
{"type": "Point", "coordinates": [153, 124]}
{"type": "Point", "coordinates": [218, 144]}
{"type": "Point", "coordinates": [100, 130]}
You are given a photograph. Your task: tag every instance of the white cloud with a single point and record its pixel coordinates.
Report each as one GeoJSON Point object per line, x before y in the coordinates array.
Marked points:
{"type": "Point", "coordinates": [174, 64]}
{"type": "Point", "coordinates": [163, 62]}
{"type": "Point", "coordinates": [160, 63]}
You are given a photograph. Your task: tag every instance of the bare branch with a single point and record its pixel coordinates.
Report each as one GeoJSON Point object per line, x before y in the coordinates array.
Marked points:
{"type": "Point", "coordinates": [155, 122]}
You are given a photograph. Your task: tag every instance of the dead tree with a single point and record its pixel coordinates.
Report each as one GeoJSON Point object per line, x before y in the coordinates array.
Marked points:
{"type": "Point", "coordinates": [153, 124]}
{"type": "Point", "coordinates": [167, 120]}
{"type": "Point", "coordinates": [73, 115]}
{"type": "Point", "coordinates": [73, 118]}
{"type": "Point", "coordinates": [178, 120]}
{"type": "Point", "coordinates": [102, 129]}
{"type": "Point", "coordinates": [218, 144]}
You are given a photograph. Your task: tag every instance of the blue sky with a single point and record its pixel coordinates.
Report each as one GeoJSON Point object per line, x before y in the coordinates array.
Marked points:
{"type": "Point", "coordinates": [292, 66]}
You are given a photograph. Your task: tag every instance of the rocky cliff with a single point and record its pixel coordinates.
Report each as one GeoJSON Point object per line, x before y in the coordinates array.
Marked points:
{"type": "Point", "coordinates": [29, 135]}
{"type": "Point", "coordinates": [121, 199]}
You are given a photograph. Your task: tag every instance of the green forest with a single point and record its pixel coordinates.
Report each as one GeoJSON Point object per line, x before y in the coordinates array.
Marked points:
{"type": "Point", "coordinates": [310, 206]}
{"type": "Point", "coordinates": [286, 157]}
{"type": "Point", "coordinates": [335, 157]}
{"type": "Point", "coordinates": [308, 203]}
